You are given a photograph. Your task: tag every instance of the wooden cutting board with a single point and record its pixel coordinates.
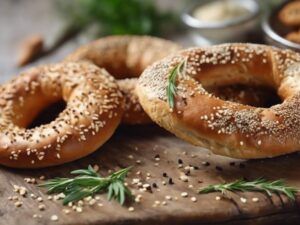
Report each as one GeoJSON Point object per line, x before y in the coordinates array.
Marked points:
{"type": "Point", "coordinates": [147, 143]}
{"type": "Point", "coordinates": [143, 143]}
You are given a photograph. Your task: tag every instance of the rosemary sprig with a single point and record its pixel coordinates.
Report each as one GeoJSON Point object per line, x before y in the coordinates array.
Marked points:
{"type": "Point", "coordinates": [179, 69]}
{"type": "Point", "coordinates": [261, 185]}
{"type": "Point", "coordinates": [87, 183]}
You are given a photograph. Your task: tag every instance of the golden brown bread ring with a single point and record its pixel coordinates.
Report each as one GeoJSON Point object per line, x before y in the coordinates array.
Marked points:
{"type": "Point", "coordinates": [290, 14]}
{"type": "Point", "coordinates": [293, 36]}
{"type": "Point", "coordinates": [133, 111]}
{"type": "Point", "coordinates": [93, 111]}
{"type": "Point", "coordinates": [228, 128]}
{"type": "Point", "coordinates": [126, 57]}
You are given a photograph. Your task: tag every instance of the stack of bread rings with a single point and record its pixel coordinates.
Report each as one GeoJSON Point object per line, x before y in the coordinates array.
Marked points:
{"type": "Point", "coordinates": [101, 85]}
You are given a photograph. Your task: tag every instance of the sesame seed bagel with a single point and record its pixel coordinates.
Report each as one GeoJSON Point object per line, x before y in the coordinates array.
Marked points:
{"type": "Point", "coordinates": [227, 128]}
{"type": "Point", "coordinates": [93, 111]}
{"type": "Point", "coordinates": [126, 57]}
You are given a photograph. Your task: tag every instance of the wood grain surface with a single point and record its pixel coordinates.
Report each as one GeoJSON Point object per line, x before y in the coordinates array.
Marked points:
{"type": "Point", "coordinates": [19, 18]}
{"type": "Point", "coordinates": [146, 143]}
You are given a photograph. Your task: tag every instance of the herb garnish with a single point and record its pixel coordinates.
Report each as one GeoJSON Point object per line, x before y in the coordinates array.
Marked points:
{"type": "Point", "coordinates": [179, 69]}
{"type": "Point", "coordinates": [88, 183]}
{"type": "Point", "coordinates": [261, 185]}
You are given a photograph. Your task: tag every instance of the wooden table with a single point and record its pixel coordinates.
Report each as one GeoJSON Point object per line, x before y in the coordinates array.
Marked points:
{"type": "Point", "coordinates": [130, 144]}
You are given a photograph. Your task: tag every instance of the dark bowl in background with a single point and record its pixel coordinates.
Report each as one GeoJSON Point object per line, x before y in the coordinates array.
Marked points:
{"type": "Point", "coordinates": [275, 31]}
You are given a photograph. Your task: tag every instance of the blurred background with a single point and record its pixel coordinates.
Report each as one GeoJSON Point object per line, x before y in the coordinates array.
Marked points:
{"type": "Point", "coordinates": [44, 31]}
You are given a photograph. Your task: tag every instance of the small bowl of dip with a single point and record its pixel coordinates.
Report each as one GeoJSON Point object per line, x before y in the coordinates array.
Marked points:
{"type": "Point", "coordinates": [219, 21]}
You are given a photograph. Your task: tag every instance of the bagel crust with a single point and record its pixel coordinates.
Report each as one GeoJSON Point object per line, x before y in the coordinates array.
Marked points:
{"type": "Point", "coordinates": [93, 111]}
{"type": "Point", "coordinates": [227, 128]}
{"type": "Point", "coordinates": [126, 57]}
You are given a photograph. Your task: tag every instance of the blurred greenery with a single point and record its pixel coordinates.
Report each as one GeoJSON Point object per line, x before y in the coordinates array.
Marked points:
{"type": "Point", "coordinates": [116, 16]}
{"type": "Point", "coordinates": [267, 5]}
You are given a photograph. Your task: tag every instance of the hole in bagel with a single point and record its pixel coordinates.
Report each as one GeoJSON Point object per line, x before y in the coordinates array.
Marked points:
{"type": "Point", "coordinates": [48, 114]}
{"type": "Point", "coordinates": [257, 96]}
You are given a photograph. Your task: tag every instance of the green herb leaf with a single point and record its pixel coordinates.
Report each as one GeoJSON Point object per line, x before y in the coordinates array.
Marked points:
{"type": "Point", "coordinates": [179, 69]}
{"type": "Point", "coordinates": [88, 183]}
{"type": "Point", "coordinates": [261, 185]}
{"type": "Point", "coordinates": [90, 172]}
{"type": "Point", "coordinates": [118, 16]}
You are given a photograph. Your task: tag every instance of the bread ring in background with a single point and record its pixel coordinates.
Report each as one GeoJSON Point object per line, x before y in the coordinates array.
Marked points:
{"type": "Point", "coordinates": [290, 14]}
{"type": "Point", "coordinates": [93, 111]}
{"type": "Point", "coordinates": [133, 111]}
{"type": "Point", "coordinates": [227, 128]}
{"type": "Point", "coordinates": [126, 57]}
{"type": "Point", "coordinates": [293, 36]}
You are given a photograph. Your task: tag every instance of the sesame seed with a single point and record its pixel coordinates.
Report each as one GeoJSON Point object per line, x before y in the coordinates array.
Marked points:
{"type": "Point", "coordinates": [193, 199]}
{"type": "Point", "coordinates": [54, 218]}
{"type": "Point", "coordinates": [184, 178]}
{"type": "Point", "coordinates": [66, 211]}
{"type": "Point", "coordinates": [243, 200]}
{"type": "Point", "coordinates": [168, 197]}
{"type": "Point", "coordinates": [42, 207]}
{"type": "Point", "coordinates": [18, 204]}
{"type": "Point", "coordinates": [184, 194]}
{"type": "Point", "coordinates": [131, 209]}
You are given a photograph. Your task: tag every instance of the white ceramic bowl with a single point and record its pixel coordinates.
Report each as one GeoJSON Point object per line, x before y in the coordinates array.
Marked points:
{"type": "Point", "coordinates": [233, 30]}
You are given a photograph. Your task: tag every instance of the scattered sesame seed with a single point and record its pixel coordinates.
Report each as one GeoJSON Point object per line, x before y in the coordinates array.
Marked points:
{"type": "Point", "coordinates": [131, 209]}
{"type": "Point", "coordinates": [18, 204]}
{"type": "Point", "coordinates": [96, 167]}
{"type": "Point", "coordinates": [184, 178]}
{"type": "Point", "coordinates": [168, 197]}
{"type": "Point", "coordinates": [66, 211]}
{"type": "Point", "coordinates": [193, 199]}
{"type": "Point", "coordinates": [184, 194]}
{"type": "Point", "coordinates": [42, 207]}
{"type": "Point", "coordinates": [54, 218]}
{"type": "Point", "coordinates": [78, 209]}
{"type": "Point", "coordinates": [243, 200]}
